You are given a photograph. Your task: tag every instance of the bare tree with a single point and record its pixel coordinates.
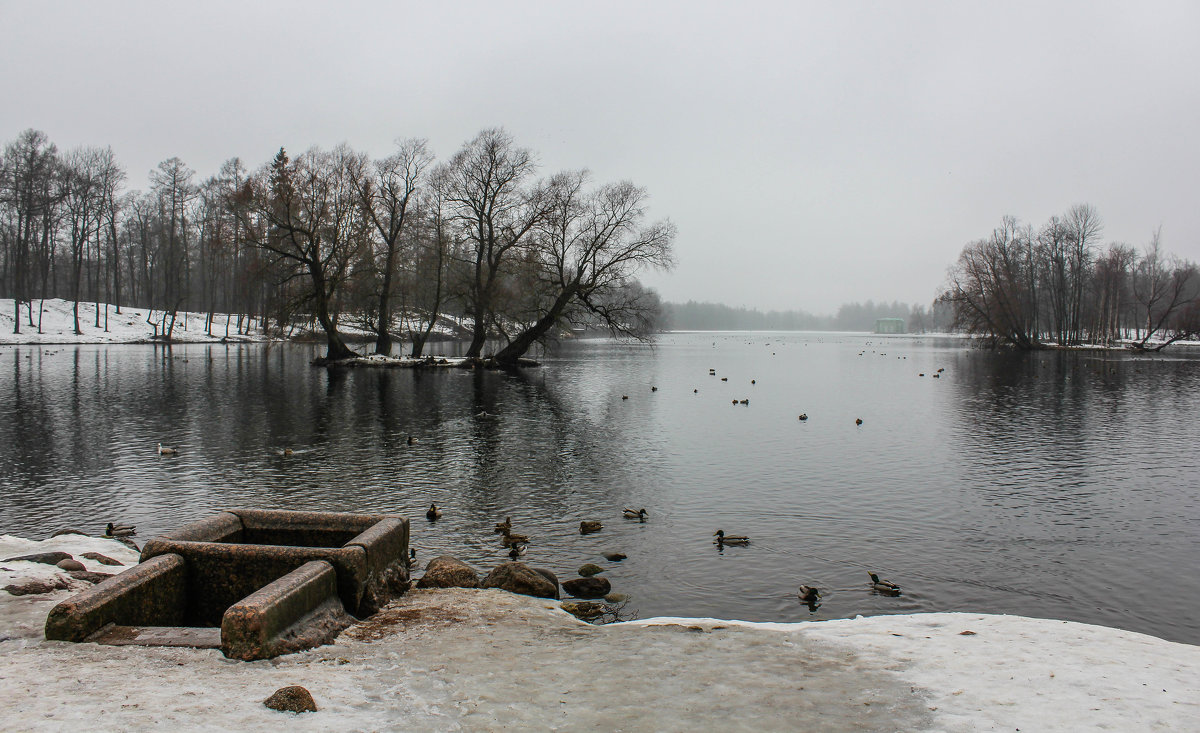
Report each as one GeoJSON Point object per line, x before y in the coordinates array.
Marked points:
{"type": "Point", "coordinates": [1165, 290]}
{"type": "Point", "coordinates": [990, 288]}
{"type": "Point", "coordinates": [495, 210]}
{"type": "Point", "coordinates": [1112, 279]}
{"type": "Point", "coordinates": [30, 194]}
{"type": "Point", "coordinates": [84, 197]}
{"type": "Point", "coordinates": [171, 183]}
{"type": "Point", "coordinates": [1083, 228]}
{"type": "Point", "coordinates": [586, 251]}
{"type": "Point", "coordinates": [386, 191]}
{"type": "Point", "coordinates": [313, 221]}
{"type": "Point", "coordinates": [432, 259]}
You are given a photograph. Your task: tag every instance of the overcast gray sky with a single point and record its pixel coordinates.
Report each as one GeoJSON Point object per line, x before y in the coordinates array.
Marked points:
{"type": "Point", "coordinates": [810, 154]}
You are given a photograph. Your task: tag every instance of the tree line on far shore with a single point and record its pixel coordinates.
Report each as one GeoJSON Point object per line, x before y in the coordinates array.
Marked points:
{"type": "Point", "coordinates": [334, 237]}
{"type": "Point", "coordinates": [1027, 286]}
{"type": "Point", "coordinates": [697, 316]}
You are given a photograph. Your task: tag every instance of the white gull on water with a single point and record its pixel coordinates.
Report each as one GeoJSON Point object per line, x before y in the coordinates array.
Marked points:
{"type": "Point", "coordinates": [482, 660]}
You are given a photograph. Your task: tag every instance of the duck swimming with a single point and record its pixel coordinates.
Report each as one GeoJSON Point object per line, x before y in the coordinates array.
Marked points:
{"type": "Point", "coordinates": [504, 527]}
{"type": "Point", "coordinates": [886, 587]}
{"type": "Point", "coordinates": [808, 594]}
{"type": "Point", "coordinates": [167, 451]}
{"type": "Point", "coordinates": [731, 539]}
{"type": "Point", "coordinates": [119, 530]}
{"type": "Point", "coordinates": [433, 513]}
{"type": "Point", "coordinates": [631, 514]}
{"type": "Point", "coordinates": [589, 526]}
{"type": "Point", "coordinates": [514, 539]}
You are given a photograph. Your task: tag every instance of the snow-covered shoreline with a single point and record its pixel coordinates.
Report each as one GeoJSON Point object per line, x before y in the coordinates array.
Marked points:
{"type": "Point", "coordinates": [490, 660]}
{"type": "Point", "coordinates": [128, 327]}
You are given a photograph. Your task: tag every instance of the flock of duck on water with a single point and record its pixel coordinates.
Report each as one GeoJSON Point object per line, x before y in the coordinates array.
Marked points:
{"type": "Point", "coordinates": [517, 543]}
{"type": "Point", "coordinates": [746, 401]}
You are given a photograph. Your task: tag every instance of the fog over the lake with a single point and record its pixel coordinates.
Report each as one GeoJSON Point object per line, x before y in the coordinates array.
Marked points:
{"type": "Point", "coordinates": [810, 154]}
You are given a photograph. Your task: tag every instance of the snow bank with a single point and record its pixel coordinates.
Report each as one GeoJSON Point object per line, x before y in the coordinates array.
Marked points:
{"type": "Point", "coordinates": [23, 618]}
{"type": "Point", "coordinates": [489, 660]}
{"type": "Point", "coordinates": [129, 327]}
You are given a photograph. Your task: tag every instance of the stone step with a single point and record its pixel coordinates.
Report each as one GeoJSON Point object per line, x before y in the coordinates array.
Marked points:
{"type": "Point", "coordinates": [188, 636]}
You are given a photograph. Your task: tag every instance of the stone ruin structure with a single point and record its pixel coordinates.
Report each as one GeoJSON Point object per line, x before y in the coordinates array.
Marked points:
{"type": "Point", "coordinates": [254, 583]}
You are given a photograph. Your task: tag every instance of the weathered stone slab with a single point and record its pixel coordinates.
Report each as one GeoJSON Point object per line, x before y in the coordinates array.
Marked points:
{"type": "Point", "coordinates": [194, 637]}
{"type": "Point", "coordinates": [152, 593]}
{"type": "Point", "coordinates": [299, 611]}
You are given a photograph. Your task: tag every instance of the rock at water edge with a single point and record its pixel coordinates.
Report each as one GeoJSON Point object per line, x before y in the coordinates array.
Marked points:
{"type": "Point", "coordinates": [517, 577]}
{"type": "Point", "coordinates": [587, 587]}
{"type": "Point", "coordinates": [448, 572]}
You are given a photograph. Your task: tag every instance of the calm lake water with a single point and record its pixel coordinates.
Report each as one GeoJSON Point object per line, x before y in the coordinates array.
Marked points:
{"type": "Point", "coordinates": [1057, 485]}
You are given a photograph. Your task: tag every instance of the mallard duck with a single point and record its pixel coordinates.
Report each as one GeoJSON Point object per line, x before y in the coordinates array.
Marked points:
{"type": "Point", "coordinates": [884, 586]}
{"type": "Point", "coordinates": [730, 539]}
{"type": "Point", "coordinates": [858, 421]}
{"type": "Point", "coordinates": [504, 527]}
{"type": "Point", "coordinates": [614, 556]}
{"type": "Point", "coordinates": [590, 526]}
{"type": "Point", "coordinates": [433, 512]}
{"type": "Point", "coordinates": [744, 402]}
{"type": "Point", "coordinates": [516, 550]}
{"type": "Point", "coordinates": [724, 379]}
{"type": "Point", "coordinates": [803, 416]}
{"type": "Point", "coordinates": [514, 539]}
{"type": "Point", "coordinates": [411, 440]}
{"type": "Point", "coordinates": [287, 452]}
{"type": "Point", "coordinates": [808, 594]}
{"type": "Point", "coordinates": [624, 396]}
{"type": "Point", "coordinates": [654, 389]}
{"type": "Point", "coordinates": [119, 530]}
{"type": "Point", "coordinates": [167, 451]}
{"type": "Point", "coordinates": [628, 513]}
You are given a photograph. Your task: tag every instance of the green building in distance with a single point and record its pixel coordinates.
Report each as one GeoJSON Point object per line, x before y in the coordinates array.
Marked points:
{"type": "Point", "coordinates": [890, 325]}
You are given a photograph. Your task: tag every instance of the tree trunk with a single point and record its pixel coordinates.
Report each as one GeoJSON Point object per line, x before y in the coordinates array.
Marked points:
{"type": "Point", "coordinates": [479, 335]}
{"type": "Point", "coordinates": [383, 341]}
{"type": "Point", "coordinates": [336, 348]}
{"type": "Point", "coordinates": [516, 348]}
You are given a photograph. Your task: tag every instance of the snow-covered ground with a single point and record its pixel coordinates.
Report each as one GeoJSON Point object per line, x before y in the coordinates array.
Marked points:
{"type": "Point", "coordinates": [130, 326]}
{"type": "Point", "coordinates": [489, 660]}
{"type": "Point", "coordinates": [57, 321]}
